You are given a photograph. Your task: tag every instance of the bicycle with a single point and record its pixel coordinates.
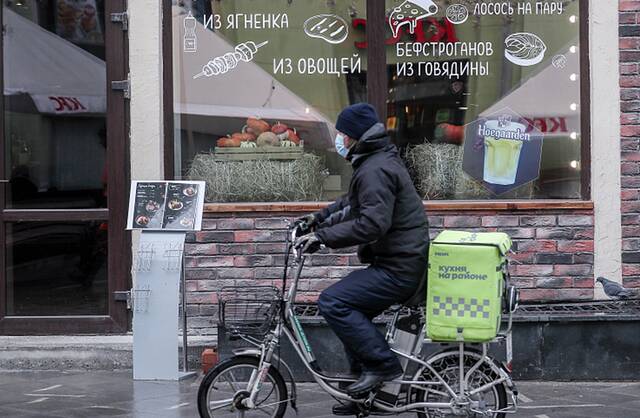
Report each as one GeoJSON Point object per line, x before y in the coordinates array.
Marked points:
{"type": "Point", "coordinates": [460, 380]}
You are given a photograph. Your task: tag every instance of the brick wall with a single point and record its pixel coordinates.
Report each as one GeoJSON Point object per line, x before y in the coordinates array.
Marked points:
{"type": "Point", "coordinates": [630, 135]}
{"type": "Point", "coordinates": [553, 257]}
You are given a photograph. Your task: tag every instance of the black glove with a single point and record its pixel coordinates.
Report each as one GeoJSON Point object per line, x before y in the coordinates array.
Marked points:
{"type": "Point", "coordinates": [309, 243]}
{"type": "Point", "coordinates": [308, 222]}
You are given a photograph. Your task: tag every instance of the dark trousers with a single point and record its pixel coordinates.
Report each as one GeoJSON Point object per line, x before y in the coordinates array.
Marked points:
{"type": "Point", "coordinates": [349, 306]}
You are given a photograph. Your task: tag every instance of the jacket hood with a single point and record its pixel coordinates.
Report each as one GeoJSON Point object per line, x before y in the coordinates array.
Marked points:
{"type": "Point", "coordinates": [375, 139]}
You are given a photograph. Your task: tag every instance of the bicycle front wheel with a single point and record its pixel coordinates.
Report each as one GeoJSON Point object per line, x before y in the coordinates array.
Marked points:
{"type": "Point", "coordinates": [224, 388]}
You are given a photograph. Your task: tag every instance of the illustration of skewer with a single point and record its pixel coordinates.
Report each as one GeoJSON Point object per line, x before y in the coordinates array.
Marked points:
{"type": "Point", "coordinates": [227, 62]}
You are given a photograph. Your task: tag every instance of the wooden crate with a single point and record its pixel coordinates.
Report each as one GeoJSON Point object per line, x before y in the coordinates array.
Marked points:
{"type": "Point", "coordinates": [258, 153]}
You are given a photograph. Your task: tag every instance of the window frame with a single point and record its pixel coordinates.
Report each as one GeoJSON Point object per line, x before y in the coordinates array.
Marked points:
{"type": "Point", "coordinates": [377, 96]}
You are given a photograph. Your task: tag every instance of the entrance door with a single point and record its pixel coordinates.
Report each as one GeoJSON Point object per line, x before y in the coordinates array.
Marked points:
{"type": "Point", "coordinates": [62, 198]}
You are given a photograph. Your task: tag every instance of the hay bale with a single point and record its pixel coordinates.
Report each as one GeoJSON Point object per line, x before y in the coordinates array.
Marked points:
{"type": "Point", "coordinates": [260, 180]}
{"type": "Point", "coordinates": [437, 173]}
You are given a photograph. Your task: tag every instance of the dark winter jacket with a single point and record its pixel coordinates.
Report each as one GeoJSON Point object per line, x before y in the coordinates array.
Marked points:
{"type": "Point", "coordinates": [382, 212]}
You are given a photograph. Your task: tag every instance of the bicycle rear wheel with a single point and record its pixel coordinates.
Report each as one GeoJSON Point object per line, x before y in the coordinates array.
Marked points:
{"type": "Point", "coordinates": [447, 365]}
{"type": "Point", "coordinates": [225, 386]}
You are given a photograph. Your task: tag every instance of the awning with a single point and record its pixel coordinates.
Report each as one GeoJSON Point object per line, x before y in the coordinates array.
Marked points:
{"type": "Point", "coordinates": [246, 90]}
{"type": "Point", "coordinates": [60, 77]}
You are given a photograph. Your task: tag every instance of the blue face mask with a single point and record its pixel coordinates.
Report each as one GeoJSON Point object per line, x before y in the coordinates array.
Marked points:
{"type": "Point", "coordinates": [340, 147]}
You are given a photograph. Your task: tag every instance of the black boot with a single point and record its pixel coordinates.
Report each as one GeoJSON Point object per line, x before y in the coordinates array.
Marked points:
{"type": "Point", "coordinates": [370, 380]}
{"type": "Point", "coordinates": [345, 408]}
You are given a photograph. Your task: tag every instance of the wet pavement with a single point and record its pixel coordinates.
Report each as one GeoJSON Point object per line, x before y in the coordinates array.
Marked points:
{"type": "Point", "coordinates": [114, 394]}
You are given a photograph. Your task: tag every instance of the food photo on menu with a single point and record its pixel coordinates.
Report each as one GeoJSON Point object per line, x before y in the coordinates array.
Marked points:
{"type": "Point", "coordinates": [149, 205]}
{"type": "Point", "coordinates": [182, 203]}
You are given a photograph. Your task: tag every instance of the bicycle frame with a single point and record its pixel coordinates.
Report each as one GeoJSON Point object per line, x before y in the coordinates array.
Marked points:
{"type": "Point", "coordinates": [288, 325]}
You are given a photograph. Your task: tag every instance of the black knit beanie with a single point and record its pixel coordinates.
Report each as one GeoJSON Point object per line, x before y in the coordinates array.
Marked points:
{"type": "Point", "coordinates": [356, 119]}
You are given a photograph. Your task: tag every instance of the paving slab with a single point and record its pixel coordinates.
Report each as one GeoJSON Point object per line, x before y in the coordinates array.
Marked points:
{"type": "Point", "coordinates": [54, 394]}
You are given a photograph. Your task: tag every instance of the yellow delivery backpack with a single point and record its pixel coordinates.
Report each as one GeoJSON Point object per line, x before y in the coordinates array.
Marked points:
{"type": "Point", "coordinates": [466, 277]}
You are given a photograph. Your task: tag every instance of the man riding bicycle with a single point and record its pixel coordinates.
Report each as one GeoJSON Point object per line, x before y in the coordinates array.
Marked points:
{"type": "Point", "coordinates": [384, 216]}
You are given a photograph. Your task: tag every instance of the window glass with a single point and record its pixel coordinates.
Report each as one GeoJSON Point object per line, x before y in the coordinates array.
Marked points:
{"type": "Point", "coordinates": [54, 103]}
{"type": "Point", "coordinates": [258, 85]}
{"type": "Point", "coordinates": [56, 268]}
{"type": "Point", "coordinates": [484, 97]}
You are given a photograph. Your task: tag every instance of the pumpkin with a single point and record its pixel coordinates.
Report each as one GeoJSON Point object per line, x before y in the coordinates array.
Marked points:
{"type": "Point", "coordinates": [257, 126]}
{"type": "Point", "coordinates": [267, 139]}
{"type": "Point", "coordinates": [244, 136]}
{"type": "Point", "coordinates": [292, 136]}
{"type": "Point", "coordinates": [248, 144]}
{"type": "Point", "coordinates": [227, 142]}
{"type": "Point", "coordinates": [281, 130]}
{"type": "Point", "coordinates": [288, 143]}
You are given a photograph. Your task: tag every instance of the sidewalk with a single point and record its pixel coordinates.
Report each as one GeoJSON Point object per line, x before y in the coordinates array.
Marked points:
{"type": "Point", "coordinates": [114, 394]}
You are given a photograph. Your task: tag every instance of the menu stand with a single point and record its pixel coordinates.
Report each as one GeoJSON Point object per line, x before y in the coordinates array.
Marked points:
{"type": "Point", "coordinates": [159, 290]}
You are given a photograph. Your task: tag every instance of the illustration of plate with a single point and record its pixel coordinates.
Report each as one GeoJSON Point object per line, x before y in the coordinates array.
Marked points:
{"type": "Point", "coordinates": [186, 222]}
{"type": "Point", "coordinates": [190, 191]}
{"type": "Point", "coordinates": [175, 204]}
{"type": "Point", "coordinates": [152, 206]}
{"type": "Point", "coordinates": [142, 220]}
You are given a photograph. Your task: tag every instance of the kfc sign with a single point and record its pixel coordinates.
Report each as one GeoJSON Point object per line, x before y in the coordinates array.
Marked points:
{"type": "Point", "coordinates": [547, 125]}
{"type": "Point", "coordinates": [63, 104]}
{"type": "Point", "coordinates": [426, 30]}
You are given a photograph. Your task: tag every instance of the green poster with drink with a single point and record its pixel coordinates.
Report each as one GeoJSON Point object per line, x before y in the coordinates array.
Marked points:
{"type": "Point", "coordinates": [502, 151]}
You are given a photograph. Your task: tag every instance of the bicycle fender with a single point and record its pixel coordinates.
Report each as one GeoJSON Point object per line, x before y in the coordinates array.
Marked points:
{"type": "Point", "coordinates": [278, 363]}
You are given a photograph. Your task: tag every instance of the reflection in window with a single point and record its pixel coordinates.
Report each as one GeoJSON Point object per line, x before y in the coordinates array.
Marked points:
{"type": "Point", "coordinates": [55, 103]}
{"type": "Point", "coordinates": [257, 89]}
{"type": "Point", "coordinates": [56, 269]}
{"type": "Point", "coordinates": [465, 64]}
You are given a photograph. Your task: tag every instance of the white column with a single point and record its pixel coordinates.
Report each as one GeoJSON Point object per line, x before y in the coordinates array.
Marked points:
{"type": "Point", "coordinates": [605, 140]}
{"type": "Point", "coordinates": [145, 63]}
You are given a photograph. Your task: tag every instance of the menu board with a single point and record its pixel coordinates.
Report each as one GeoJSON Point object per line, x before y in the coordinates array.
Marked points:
{"type": "Point", "coordinates": [166, 205]}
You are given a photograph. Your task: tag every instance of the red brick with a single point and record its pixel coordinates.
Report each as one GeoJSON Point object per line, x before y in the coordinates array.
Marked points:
{"type": "Point", "coordinates": [202, 297]}
{"type": "Point", "coordinates": [628, 182]}
{"type": "Point", "coordinates": [253, 260]}
{"type": "Point", "coordinates": [542, 220]}
{"type": "Point", "coordinates": [271, 223]}
{"type": "Point", "coordinates": [538, 295]}
{"type": "Point", "coordinates": [531, 270]}
{"type": "Point", "coordinates": [630, 231]}
{"type": "Point", "coordinates": [630, 118]}
{"type": "Point", "coordinates": [524, 282]}
{"type": "Point", "coordinates": [629, 94]}
{"type": "Point", "coordinates": [575, 246]}
{"type": "Point", "coordinates": [583, 282]}
{"type": "Point", "coordinates": [630, 194]}
{"type": "Point", "coordinates": [575, 220]}
{"type": "Point", "coordinates": [628, 18]}
{"type": "Point", "coordinates": [572, 269]}
{"type": "Point", "coordinates": [633, 219]}
{"type": "Point", "coordinates": [235, 223]}
{"type": "Point", "coordinates": [631, 244]}
{"type": "Point", "coordinates": [259, 236]}
{"type": "Point", "coordinates": [329, 260]}
{"type": "Point", "coordinates": [633, 282]}
{"type": "Point", "coordinates": [436, 221]}
{"type": "Point", "coordinates": [499, 220]}
{"type": "Point", "coordinates": [526, 258]}
{"type": "Point", "coordinates": [630, 156]}
{"type": "Point", "coordinates": [630, 168]}
{"type": "Point", "coordinates": [628, 5]}
{"type": "Point", "coordinates": [462, 221]}
{"type": "Point", "coordinates": [630, 207]}
{"type": "Point", "coordinates": [554, 283]}
{"type": "Point", "coordinates": [234, 273]}
{"type": "Point", "coordinates": [270, 248]}
{"type": "Point", "coordinates": [629, 43]}
{"type": "Point", "coordinates": [629, 81]}
{"type": "Point", "coordinates": [221, 261]}
{"type": "Point", "coordinates": [208, 224]}
{"type": "Point", "coordinates": [214, 236]}
{"type": "Point", "coordinates": [201, 249]}
{"type": "Point", "coordinates": [630, 130]}
{"type": "Point", "coordinates": [236, 249]}
{"type": "Point", "coordinates": [631, 269]}
{"type": "Point", "coordinates": [543, 246]}
{"type": "Point", "coordinates": [518, 233]}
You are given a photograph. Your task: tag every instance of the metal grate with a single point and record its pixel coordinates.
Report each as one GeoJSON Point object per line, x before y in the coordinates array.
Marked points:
{"type": "Point", "coordinates": [627, 307]}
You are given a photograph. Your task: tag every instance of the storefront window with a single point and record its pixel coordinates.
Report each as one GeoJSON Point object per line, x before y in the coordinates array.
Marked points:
{"type": "Point", "coordinates": [258, 85]}
{"type": "Point", "coordinates": [483, 98]}
{"type": "Point", "coordinates": [55, 104]}
{"type": "Point", "coordinates": [471, 62]}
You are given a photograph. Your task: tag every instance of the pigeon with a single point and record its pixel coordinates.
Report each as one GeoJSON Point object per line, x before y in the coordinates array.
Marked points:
{"type": "Point", "coordinates": [615, 290]}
